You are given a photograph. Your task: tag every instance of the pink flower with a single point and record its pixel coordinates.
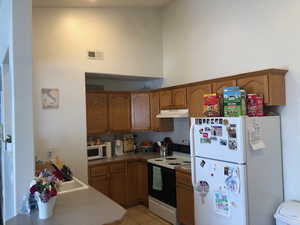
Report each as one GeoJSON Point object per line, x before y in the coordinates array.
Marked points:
{"type": "Point", "coordinates": [53, 193]}
{"type": "Point", "coordinates": [33, 189]}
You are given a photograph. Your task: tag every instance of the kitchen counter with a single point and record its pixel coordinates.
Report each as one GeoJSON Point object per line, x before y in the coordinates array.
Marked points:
{"type": "Point", "coordinates": [184, 169]}
{"type": "Point", "coordinates": [128, 156]}
{"type": "Point", "coordinates": [85, 207]}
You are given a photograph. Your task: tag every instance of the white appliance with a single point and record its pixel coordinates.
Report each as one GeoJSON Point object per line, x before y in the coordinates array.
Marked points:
{"type": "Point", "coordinates": [119, 148]}
{"type": "Point", "coordinates": [163, 202]}
{"type": "Point", "coordinates": [96, 152]}
{"type": "Point", "coordinates": [236, 170]}
{"type": "Point", "coordinates": [173, 113]}
{"type": "Point", "coordinates": [108, 149]}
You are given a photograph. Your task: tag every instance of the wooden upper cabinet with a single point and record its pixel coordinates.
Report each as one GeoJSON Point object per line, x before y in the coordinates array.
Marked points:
{"type": "Point", "coordinates": [119, 112]}
{"type": "Point", "coordinates": [179, 98]}
{"type": "Point", "coordinates": [173, 99]}
{"type": "Point", "coordinates": [154, 110]}
{"type": "Point", "coordinates": [255, 85]}
{"type": "Point", "coordinates": [165, 99]}
{"type": "Point", "coordinates": [96, 112]}
{"type": "Point", "coordinates": [218, 86]}
{"type": "Point", "coordinates": [156, 123]}
{"type": "Point", "coordinates": [140, 111]}
{"type": "Point", "coordinates": [195, 99]}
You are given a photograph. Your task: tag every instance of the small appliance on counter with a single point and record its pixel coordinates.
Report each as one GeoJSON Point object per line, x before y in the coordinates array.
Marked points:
{"type": "Point", "coordinates": [128, 143]}
{"type": "Point", "coordinates": [108, 149]}
{"type": "Point", "coordinates": [119, 148]}
{"type": "Point", "coordinates": [96, 152]}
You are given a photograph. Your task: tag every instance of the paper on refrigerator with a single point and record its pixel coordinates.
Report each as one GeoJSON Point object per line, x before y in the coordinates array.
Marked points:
{"type": "Point", "coordinates": [221, 202]}
{"type": "Point", "coordinates": [255, 135]}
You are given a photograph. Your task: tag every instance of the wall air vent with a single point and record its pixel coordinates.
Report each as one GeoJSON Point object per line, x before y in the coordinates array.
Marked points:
{"type": "Point", "coordinates": [95, 55]}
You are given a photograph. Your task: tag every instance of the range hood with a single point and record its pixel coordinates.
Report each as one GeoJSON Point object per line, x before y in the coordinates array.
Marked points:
{"type": "Point", "coordinates": [173, 113]}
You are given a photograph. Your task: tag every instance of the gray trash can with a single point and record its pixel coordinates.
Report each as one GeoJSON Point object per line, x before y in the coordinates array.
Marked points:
{"type": "Point", "coordinates": [288, 213]}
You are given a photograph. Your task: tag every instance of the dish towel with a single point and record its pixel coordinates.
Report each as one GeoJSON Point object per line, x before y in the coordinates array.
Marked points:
{"type": "Point", "coordinates": [157, 183]}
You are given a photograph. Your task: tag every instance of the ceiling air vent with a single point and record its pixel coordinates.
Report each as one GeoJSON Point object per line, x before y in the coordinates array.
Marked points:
{"type": "Point", "coordinates": [95, 55]}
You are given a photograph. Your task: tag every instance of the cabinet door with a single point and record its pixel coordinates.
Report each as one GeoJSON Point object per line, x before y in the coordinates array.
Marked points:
{"type": "Point", "coordinates": [195, 99]}
{"type": "Point", "coordinates": [119, 112]}
{"type": "Point", "coordinates": [100, 184]}
{"type": "Point", "coordinates": [218, 86]}
{"type": "Point", "coordinates": [179, 98]}
{"type": "Point", "coordinates": [154, 110]}
{"type": "Point", "coordinates": [117, 188]}
{"type": "Point", "coordinates": [185, 204]}
{"type": "Point", "coordinates": [143, 182]}
{"type": "Point", "coordinates": [255, 85]}
{"type": "Point", "coordinates": [132, 183]}
{"type": "Point", "coordinates": [165, 98]}
{"type": "Point", "coordinates": [96, 112]}
{"type": "Point", "coordinates": [156, 123]}
{"type": "Point", "coordinates": [140, 111]}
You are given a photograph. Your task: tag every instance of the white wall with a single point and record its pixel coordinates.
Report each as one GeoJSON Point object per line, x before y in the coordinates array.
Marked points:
{"type": "Point", "coordinates": [15, 35]}
{"type": "Point", "coordinates": [4, 26]}
{"type": "Point", "coordinates": [132, 44]}
{"type": "Point", "coordinates": [21, 70]}
{"type": "Point", "coordinates": [208, 39]}
{"type": "Point", "coordinates": [180, 134]}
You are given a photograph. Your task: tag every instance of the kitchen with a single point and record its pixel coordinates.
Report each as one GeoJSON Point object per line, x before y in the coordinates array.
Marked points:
{"type": "Point", "coordinates": [159, 175]}
{"type": "Point", "coordinates": [62, 60]}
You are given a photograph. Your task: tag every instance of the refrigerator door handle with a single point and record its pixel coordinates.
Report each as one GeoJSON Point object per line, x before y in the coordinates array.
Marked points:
{"type": "Point", "coordinates": [192, 147]}
{"type": "Point", "coordinates": [192, 129]}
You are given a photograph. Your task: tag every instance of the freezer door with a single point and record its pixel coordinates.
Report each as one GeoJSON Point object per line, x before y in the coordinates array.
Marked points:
{"type": "Point", "coordinates": [221, 138]}
{"type": "Point", "coordinates": [220, 193]}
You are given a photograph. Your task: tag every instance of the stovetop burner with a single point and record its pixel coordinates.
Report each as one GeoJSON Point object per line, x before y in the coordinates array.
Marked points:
{"type": "Point", "coordinates": [188, 162]}
{"type": "Point", "coordinates": [171, 158]}
{"type": "Point", "coordinates": [174, 164]}
{"type": "Point", "coordinates": [158, 160]}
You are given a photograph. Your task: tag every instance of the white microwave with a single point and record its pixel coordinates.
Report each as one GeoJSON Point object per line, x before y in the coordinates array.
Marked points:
{"type": "Point", "coordinates": [96, 152]}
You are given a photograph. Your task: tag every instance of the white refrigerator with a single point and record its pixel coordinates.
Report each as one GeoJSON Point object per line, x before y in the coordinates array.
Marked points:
{"type": "Point", "coordinates": [236, 170]}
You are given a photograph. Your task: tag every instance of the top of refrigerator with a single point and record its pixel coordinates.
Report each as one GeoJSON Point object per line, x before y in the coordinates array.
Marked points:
{"type": "Point", "coordinates": [224, 138]}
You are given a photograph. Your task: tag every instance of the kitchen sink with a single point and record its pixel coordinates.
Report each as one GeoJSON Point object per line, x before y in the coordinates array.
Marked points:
{"type": "Point", "coordinates": [71, 186]}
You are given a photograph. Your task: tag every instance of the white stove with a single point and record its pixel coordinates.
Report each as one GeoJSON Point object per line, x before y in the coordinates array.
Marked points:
{"type": "Point", "coordinates": [162, 199]}
{"type": "Point", "coordinates": [171, 162]}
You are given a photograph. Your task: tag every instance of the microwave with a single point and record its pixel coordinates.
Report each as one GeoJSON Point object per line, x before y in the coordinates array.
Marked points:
{"type": "Point", "coordinates": [96, 152]}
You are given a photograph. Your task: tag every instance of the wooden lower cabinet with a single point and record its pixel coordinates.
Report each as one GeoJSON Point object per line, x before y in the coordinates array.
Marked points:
{"type": "Point", "coordinates": [125, 182]}
{"type": "Point", "coordinates": [117, 192]}
{"type": "Point", "coordinates": [143, 182]}
{"type": "Point", "coordinates": [185, 198]}
{"type": "Point", "coordinates": [100, 184]}
{"type": "Point", "coordinates": [137, 183]}
{"type": "Point", "coordinates": [132, 183]}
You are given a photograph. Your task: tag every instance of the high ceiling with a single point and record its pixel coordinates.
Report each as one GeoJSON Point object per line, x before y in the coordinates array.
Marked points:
{"type": "Point", "coordinates": [101, 3]}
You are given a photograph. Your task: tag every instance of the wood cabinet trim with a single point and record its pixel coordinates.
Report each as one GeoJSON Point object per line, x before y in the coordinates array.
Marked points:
{"type": "Point", "coordinates": [271, 72]}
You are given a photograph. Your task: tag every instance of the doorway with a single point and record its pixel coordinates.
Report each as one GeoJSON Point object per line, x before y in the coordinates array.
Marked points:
{"type": "Point", "coordinates": [7, 196]}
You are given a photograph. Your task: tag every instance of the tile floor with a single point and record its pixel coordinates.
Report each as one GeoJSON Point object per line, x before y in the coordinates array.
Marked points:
{"type": "Point", "coordinates": [140, 215]}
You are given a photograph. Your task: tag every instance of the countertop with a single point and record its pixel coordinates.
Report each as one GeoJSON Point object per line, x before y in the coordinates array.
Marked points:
{"type": "Point", "coordinates": [184, 169]}
{"type": "Point", "coordinates": [128, 156]}
{"type": "Point", "coordinates": [85, 207]}
{"type": "Point", "coordinates": [137, 156]}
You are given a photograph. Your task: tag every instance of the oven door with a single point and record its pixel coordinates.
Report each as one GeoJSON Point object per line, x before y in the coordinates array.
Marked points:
{"type": "Point", "coordinates": [168, 192]}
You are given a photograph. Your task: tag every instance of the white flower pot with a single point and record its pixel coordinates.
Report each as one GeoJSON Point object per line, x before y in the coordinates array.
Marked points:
{"type": "Point", "coordinates": [45, 208]}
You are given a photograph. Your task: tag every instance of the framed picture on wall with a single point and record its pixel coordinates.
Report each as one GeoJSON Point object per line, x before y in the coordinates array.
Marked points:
{"type": "Point", "coordinates": [50, 98]}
